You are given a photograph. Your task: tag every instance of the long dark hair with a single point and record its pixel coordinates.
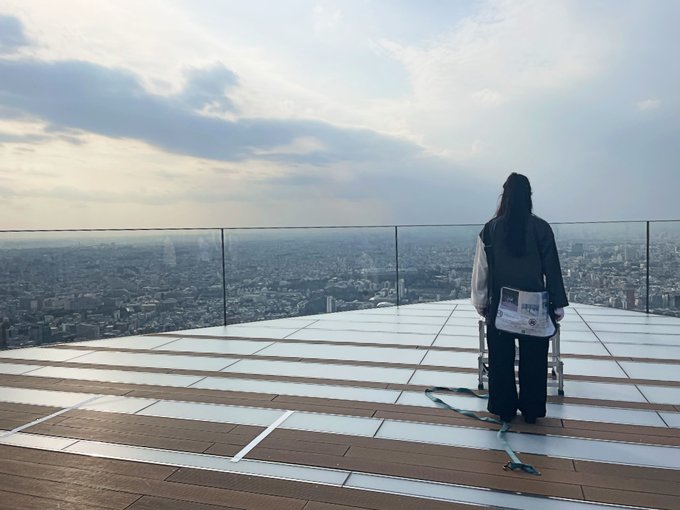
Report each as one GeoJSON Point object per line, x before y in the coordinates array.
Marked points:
{"type": "Point", "coordinates": [514, 210]}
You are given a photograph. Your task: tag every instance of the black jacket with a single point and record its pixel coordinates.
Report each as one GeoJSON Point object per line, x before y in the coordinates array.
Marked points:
{"type": "Point", "coordinates": [535, 271]}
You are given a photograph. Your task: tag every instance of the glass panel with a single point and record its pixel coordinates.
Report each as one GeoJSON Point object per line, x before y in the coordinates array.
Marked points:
{"type": "Point", "coordinates": [604, 263]}
{"type": "Point", "coordinates": [290, 272]}
{"type": "Point", "coordinates": [71, 286]}
{"type": "Point", "coordinates": [435, 263]}
{"type": "Point", "coordinates": [664, 267]}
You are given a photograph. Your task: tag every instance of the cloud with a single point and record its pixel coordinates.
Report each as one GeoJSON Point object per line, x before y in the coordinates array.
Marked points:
{"type": "Point", "coordinates": [648, 104]}
{"type": "Point", "coordinates": [12, 35]}
{"type": "Point", "coordinates": [206, 88]}
{"type": "Point", "coordinates": [112, 102]}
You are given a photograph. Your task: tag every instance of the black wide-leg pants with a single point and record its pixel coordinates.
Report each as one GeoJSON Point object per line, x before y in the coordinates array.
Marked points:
{"type": "Point", "coordinates": [533, 374]}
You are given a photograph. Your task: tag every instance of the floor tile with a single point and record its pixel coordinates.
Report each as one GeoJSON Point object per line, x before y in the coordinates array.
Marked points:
{"type": "Point", "coordinates": [584, 348]}
{"type": "Point", "coordinates": [322, 371]}
{"type": "Point", "coordinates": [572, 335]}
{"type": "Point", "coordinates": [120, 376]}
{"type": "Point", "coordinates": [639, 338]}
{"type": "Point", "coordinates": [386, 327]}
{"type": "Point", "coordinates": [636, 319]}
{"type": "Point", "coordinates": [37, 441]}
{"type": "Point", "coordinates": [447, 379]}
{"type": "Point", "coordinates": [471, 330]}
{"type": "Point", "coordinates": [636, 328]}
{"type": "Point", "coordinates": [171, 361]}
{"type": "Point", "coordinates": [116, 404]}
{"type": "Point", "coordinates": [130, 342]}
{"type": "Point", "coordinates": [213, 413]}
{"type": "Point", "coordinates": [371, 337]}
{"type": "Point", "coordinates": [207, 345]}
{"type": "Point", "coordinates": [470, 495]}
{"type": "Point", "coordinates": [329, 423]}
{"type": "Point", "coordinates": [344, 352]}
{"type": "Point", "coordinates": [43, 354]}
{"type": "Point", "coordinates": [652, 371]}
{"type": "Point", "coordinates": [209, 462]}
{"type": "Point", "coordinates": [672, 419]}
{"type": "Point", "coordinates": [41, 397]}
{"type": "Point", "coordinates": [16, 368]}
{"type": "Point", "coordinates": [564, 411]}
{"type": "Point", "coordinates": [299, 389]}
{"type": "Point", "coordinates": [600, 391]}
{"type": "Point", "coordinates": [553, 446]}
{"type": "Point", "coordinates": [241, 331]}
{"type": "Point", "coordinates": [381, 318]}
{"type": "Point", "coordinates": [600, 368]}
{"type": "Point", "coordinates": [661, 394]}
{"type": "Point", "coordinates": [461, 342]}
{"type": "Point", "coordinates": [645, 351]}
{"type": "Point", "coordinates": [451, 359]}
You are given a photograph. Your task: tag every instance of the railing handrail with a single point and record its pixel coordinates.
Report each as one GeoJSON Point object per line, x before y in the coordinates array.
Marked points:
{"type": "Point", "coordinates": [308, 227]}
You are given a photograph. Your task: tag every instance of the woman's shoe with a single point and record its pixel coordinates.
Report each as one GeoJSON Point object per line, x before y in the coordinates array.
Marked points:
{"type": "Point", "coordinates": [530, 419]}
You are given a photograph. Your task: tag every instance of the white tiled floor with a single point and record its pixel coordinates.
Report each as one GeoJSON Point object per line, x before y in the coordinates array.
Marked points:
{"type": "Point", "coordinates": [44, 354]}
{"type": "Point", "coordinates": [120, 376]}
{"type": "Point", "coordinates": [661, 394]}
{"type": "Point", "coordinates": [16, 368]}
{"type": "Point", "coordinates": [652, 371]}
{"type": "Point", "coordinates": [170, 361]}
{"type": "Point", "coordinates": [299, 389]}
{"type": "Point", "coordinates": [370, 337]}
{"type": "Point", "coordinates": [554, 446]}
{"type": "Point", "coordinates": [345, 352]}
{"type": "Point", "coordinates": [322, 371]}
{"type": "Point", "coordinates": [206, 345]}
{"type": "Point", "coordinates": [626, 334]}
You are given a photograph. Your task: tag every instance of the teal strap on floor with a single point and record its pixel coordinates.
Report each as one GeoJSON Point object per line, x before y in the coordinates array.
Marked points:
{"type": "Point", "coordinates": [514, 462]}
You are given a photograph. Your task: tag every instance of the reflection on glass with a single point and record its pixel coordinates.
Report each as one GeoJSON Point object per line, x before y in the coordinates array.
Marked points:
{"type": "Point", "coordinates": [73, 286]}
{"type": "Point", "coordinates": [289, 272]}
{"type": "Point", "coordinates": [435, 263]}
{"type": "Point", "coordinates": [664, 268]}
{"type": "Point", "coordinates": [604, 263]}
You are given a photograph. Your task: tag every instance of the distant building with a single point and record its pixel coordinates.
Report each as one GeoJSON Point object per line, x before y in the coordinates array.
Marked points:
{"type": "Point", "coordinates": [88, 331]}
{"type": "Point", "coordinates": [401, 287]}
{"type": "Point", "coordinates": [331, 304]}
{"type": "Point", "coordinates": [630, 298]}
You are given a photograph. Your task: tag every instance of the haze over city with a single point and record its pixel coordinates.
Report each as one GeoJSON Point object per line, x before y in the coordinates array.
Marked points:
{"type": "Point", "coordinates": [230, 113]}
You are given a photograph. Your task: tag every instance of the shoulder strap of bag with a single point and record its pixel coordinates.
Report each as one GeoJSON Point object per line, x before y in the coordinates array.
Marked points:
{"type": "Point", "coordinates": [487, 238]}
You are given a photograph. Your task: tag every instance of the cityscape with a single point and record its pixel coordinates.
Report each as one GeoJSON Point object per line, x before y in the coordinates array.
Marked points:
{"type": "Point", "coordinates": [105, 285]}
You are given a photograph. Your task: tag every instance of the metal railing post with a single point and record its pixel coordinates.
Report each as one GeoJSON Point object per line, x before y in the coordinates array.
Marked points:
{"type": "Point", "coordinates": [224, 283]}
{"type": "Point", "coordinates": [396, 259]}
{"type": "Point", "coordinates": [647, 305]}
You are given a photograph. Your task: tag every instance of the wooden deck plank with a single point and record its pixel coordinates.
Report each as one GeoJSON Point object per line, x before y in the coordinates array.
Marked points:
{"type": "Point", "coordinates": [69, 492]}
{"type": "Point", "coordinates": [631, 498]}
{"type": "Point", "coordinates": [154, 503]}
{"type": "Point", "coordinates": [312, 492]}
{"type": "Point", "coordinates": [85, 480]}
{"type": "Point", "coordinates": [15, 501]}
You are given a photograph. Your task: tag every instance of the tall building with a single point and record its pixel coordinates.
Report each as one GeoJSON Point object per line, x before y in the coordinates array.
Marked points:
{"type": "Point", "coordinates": [630, 297]}
{"type": "Point", "coordinates": [401, 287]}
{"type": "Point", "coordinates": [331, 304]}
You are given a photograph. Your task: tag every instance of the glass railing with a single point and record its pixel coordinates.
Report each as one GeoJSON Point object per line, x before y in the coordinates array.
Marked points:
{"type": "Point", "coordinates": [275, 273]}
{"type": "Point", "coordinates": [435, 262]}
{"type": "Point", "coordinates": [664, 267]}
{"type": "Point", "coordinates": [604, 263]}
{"type": "Point", "coordinates": [62, 286]}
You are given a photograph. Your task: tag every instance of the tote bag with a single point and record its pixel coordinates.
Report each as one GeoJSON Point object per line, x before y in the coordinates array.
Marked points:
{"type": "Point", "coordinates": [524, 313]}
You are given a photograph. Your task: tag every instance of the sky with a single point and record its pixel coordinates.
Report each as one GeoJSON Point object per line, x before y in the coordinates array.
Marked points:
{"type": "Point", "coordinates": [208, 113]}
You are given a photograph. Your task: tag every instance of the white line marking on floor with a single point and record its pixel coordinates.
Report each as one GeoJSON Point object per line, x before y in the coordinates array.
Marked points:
{"type": "Point", "coordinates": [53, 415]}
{"type": "Point", "coordinates": [261, 437]}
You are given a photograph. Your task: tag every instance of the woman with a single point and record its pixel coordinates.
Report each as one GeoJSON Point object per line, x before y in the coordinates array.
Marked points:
{"type": "Point", "coordinates": [523, 256]}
